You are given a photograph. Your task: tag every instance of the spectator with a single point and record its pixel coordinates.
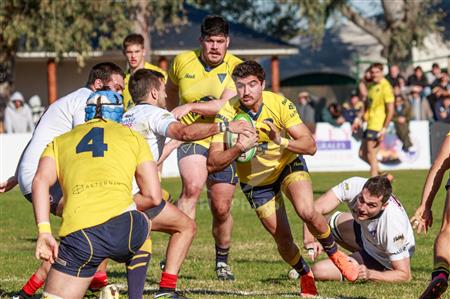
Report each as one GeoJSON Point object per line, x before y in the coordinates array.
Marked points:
{"type": "Point", "coordinates": [440, 90]}
{"type": "Point", "coordinates": [306, 110]}
{"type": "Point", "coordinates": [420, 107]}
{"type": "Point", "coordinates": [36, 108]}
{"type": "Point", "coordinates": [402, 116]}
{"type": "Point", "coordinates": [394, 77]}
{"type": "Point", "coordinates": [418, 81]}
{"type": "Point", "coordinates": [442, 109]}
{"type": "Point", "coordinates": [434, 75]}
{"type": "Point", "coordinates": [18, 117]}
{"type": "Point", "coordinates": [332, 114]}
{"type": "Point", "coordinates": [352, 109]}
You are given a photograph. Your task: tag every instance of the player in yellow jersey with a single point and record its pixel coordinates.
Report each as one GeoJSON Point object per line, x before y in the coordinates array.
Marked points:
{"type": "Point", "coordinates": [195, 77]}
{"type": "Point", "coordinates": [100, 219]}
{"type": "Point", "coordinates": [277, 167]}
{"type": "Point", "coordinates": [423, 219]}
{"type": "Point", "coordinates": [134, 50]}
{"type": "Point", "coordinates": [380, 110]}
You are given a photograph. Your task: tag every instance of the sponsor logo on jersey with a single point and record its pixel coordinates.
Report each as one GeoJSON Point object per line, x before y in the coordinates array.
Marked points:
{"type": "Point", "coordinates": [399, 240]}
{"type": "Point", "coordinates": [190, 76]}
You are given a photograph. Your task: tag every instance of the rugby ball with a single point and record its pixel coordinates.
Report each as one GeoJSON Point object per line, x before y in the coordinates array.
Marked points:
{"type": "Point", "coordinates": [231, 139]}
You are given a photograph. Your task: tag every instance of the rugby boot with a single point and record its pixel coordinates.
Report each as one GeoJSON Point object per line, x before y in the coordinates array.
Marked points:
{"type": "Point", "coordinates": [223, 271]}
{"type": "Point", "coordinates": [169, 295]}
{"type": "Point", "coordinates": [308, 285]}
{"type": "Point", "coordinates": [348, 269]}
{"type": "Point", "coordinates": [21, 295]}
{"type": "Point", "coordinates": [436, 288]}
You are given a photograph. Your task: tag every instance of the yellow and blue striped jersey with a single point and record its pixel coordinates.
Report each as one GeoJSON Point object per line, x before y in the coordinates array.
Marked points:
{"type": "Point", "coordinates": [269, 161]}
{"type": "Point", "coordinates": [95, 163]}
{"type": "Point", "coordinates": [198, 82]}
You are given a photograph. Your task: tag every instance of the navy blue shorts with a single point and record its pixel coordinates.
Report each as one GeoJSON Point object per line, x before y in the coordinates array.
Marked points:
{"type": "Point", "coordinates": [55, 197]}
{"type": "Point", "coordinates": [155, 211]}
{"type": "Point", "coordinates": [368, 260]}
{"type": "Point", "coordinates": [227, 175]}
{"type": "Point", "coordinates": [371, 135]}
{"type": "Point", "coordinates": [260, 195]}
{"type": "Point", "coordinates": [119, 238]}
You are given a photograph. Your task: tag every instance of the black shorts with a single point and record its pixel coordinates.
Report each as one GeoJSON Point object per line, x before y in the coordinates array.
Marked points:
{"type": "Point", "coordinates": [55, 197]}
{"type": "Point", "coordinates": [369, 261]}
{"type": "Point", "coordinates": [371, 135]}
{"type": "Point", "coordinates": [258, 196]}
{"type": "Point", "coordinates": [227, 175]}
{"type": "Point", "coordinates": [119, 238]}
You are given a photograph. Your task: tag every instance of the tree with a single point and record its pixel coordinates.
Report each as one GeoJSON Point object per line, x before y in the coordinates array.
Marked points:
{"type": "Point", "coordinates": [79, 26]}
{"type": "Point", "coordinates": [403, 24]}
{"type": "Point", "coordinates": [280, 20]}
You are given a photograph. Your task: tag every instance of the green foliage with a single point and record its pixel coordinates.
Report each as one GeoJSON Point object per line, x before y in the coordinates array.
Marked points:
{"type": "Point", "coordinates": [259, 270]}
{"type": "Point", "coordinates": [281, 20]}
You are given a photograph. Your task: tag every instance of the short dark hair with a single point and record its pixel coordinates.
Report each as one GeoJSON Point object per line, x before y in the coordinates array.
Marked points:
{"type": "Point", "coordinates": [213, 25]}
{"type": "Point", "coordinates": [377, 65]}
{"type": "Point", "coordinates": [249, 68]}
{"type": "Point", "coordinates": [142, 81]}
{"type": "Point", "coordinates": [435, 65]}
{"type": "Point", "coordinates": [104, 71]}
{"type": "Point", "coordinates": [133, 39]}
{"type": "Point", "coordinates": [379, 186]}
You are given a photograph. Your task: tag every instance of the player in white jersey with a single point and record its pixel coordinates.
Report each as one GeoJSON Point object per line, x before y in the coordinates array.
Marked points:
{"type": "Point", "coordinates": [376, 230]}
{"type": "Point", "coordinates": [155, 123]}
{"type": "Point", "coordinates": [59, 118]}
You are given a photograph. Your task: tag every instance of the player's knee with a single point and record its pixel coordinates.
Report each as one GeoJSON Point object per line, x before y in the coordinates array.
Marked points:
{"type": "Point", "coordinates": [221, 212]}
{"type": "Point", "coordinates": [192, 190]}
{"type": "Point", "coordinates": [309, 215]}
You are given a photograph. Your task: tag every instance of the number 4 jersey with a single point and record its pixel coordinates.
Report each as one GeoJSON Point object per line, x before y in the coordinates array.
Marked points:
{"type": "Point", "coordinates": [96, 163]}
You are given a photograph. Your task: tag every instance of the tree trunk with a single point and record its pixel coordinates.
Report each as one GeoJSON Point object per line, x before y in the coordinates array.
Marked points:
{"type": "Point", "coordinates": [142, 26]}
{"type": "Point", "coordinates": [6, 81]}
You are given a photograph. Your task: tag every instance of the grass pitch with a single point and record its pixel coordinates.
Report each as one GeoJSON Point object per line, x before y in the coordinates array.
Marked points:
{"type": "Point", "coordinates": [259, 270]}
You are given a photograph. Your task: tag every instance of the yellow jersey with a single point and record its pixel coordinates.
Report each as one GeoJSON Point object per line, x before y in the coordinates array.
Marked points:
{"type": "Point", "coordinates": [198, 82]}
{"type": "Point", "coordinates": [268, 163]}
{"type": "Point", "coordinates": [127, 101]}
{"type": "Point", "coordinates": [378, 95]}
{"type": "Point", "coordinates": [94, 175]}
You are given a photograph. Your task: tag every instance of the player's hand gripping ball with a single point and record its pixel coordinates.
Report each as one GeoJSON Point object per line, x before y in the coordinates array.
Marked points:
{"type": "Point", "coordinates": [231, 139]}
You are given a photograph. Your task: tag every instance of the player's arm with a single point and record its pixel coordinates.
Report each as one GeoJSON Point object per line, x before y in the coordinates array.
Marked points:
{"type": "Point", "coordinates": [172, 95]}
{"type": "Point", "coordinates": [219, 158]}
{"type": "Point", "coordinates": [7, 185]}
{"type": "Point", "coordinates": [302, 141]}
{"type": "Point", "coordinates": [197, 131]}
{"type": "Point", "coordinates": [401, 271]}
{"type": "Point", "coordinates": [423, 218]}
{"type": "Point", "coordinates": [168, 148]}
{"type": "Point", "coordinates": [147, 179]}
{"type": "Point", "coordinates": [46, 176]}
{"type": "Point", "coordinates": [389, 114]}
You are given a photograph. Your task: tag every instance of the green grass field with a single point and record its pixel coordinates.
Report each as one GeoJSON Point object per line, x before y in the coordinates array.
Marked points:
{"type": "Point", "coordinates": [259, 270]}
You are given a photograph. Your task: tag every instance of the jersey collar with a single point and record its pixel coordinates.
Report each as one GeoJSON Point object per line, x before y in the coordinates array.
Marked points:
{"type": "Point", "coordinates": [250, 113]}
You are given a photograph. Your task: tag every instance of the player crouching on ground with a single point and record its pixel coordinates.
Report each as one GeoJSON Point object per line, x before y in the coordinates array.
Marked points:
{"type": "Point", "coordinates": [376, 230]}
{"type": "Point", "coordinates": [99, 219]}
{"type": "Point", "coordinates": [277, 167]}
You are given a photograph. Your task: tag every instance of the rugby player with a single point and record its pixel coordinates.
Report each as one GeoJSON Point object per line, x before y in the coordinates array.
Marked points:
{"type": "Point", "coordinates": [99, 219]}
{"type": "Point", "coordinates": [134, 51]}
{"type": "Point", "coordinates": [423, 219]}
{"type": "Point", "coordinates": [59, 118]}
{"type": "Point", "coordinates": [197, 76]}
{"type": "Point", "coordinates": [376, 230]}
{"type": "Point", "coordinates": [155, 123]}
{"type": "Point", "coordinates": [277, 167]}
{"type": "Point", "coordinates": [380, 111]}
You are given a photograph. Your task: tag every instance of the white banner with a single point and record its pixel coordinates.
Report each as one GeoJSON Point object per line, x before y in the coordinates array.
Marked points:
{"type": "Point", "coordinates": [337, 150]}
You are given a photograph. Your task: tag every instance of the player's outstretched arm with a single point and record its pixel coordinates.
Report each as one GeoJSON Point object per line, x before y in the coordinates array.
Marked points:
{"type": "Point", "coordinates": [423, 217]}
{"type": "Point", "coordinates": [7, 185]}
{"type": "Point", "coordinates": [197, 131]}
{"type": "Point", "coordinates": [401, 271]}
{"type": "Point", "coordinates": [205, 108]}
{"type": "Point", "coordinates": [168, 148]}
{"type": "Point", "coordinates": [46, 176]}
{"type": "Point", "coordinates": [147, 179]}
{"type": "Point", "coordinates": [302, 141]}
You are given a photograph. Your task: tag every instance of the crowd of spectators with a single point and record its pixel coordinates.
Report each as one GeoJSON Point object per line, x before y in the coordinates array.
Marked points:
{"type": "Point", "coordinates": [20, 116]}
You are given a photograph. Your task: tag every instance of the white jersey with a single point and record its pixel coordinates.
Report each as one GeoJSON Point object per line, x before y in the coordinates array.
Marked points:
{"type": "Point", "coordinates": [388, 237]}
{"type": "Point", "coordinates": [59, 118]}
{"type": "Point", "coordinates": [152, 123]}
